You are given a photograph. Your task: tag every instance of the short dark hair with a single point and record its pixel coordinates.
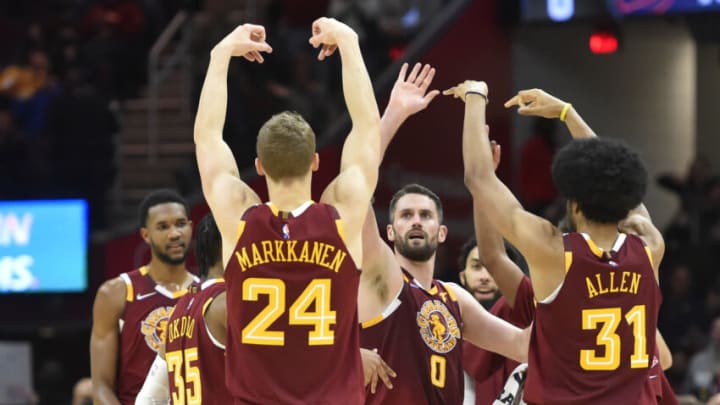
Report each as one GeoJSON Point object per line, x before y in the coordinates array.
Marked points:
{"type": "Point", "coordinates": [158, 197]}
{"type": "Point", "coordinates": [604, 177]}
{"type": "Point", "coordinates": [416, 189]}
{"type": "Point", "coordinates": [510, 250]}
{"type": "Point", "coordinates": [208, 244]}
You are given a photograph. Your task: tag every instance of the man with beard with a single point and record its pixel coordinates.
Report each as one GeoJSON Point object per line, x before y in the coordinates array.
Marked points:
{"type": "Point", "coordinates": [131, 311]}
{"type": "Point", "coordinates": [418, 323]}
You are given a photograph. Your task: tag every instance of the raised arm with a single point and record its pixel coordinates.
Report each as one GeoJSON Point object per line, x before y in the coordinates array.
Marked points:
{"type": "Point", "coordinates": [351, 191]}
{"type": "Point", "coordinates": [540, 241]}
{"type": "Point", "coordinates": [490, 243]}
{"type": "Point", "coordinates": [381, 278]}
{"type": "Point", "coordinates": [104, 345]}
{"type": "Point", "coordinates": [226, 194]}
{"type": "Point", "coordinates": [536, 102]}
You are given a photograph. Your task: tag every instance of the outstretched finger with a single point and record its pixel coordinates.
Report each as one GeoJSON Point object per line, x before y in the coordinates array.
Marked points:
{"type": "Point", "coordinates": [403, 72]}
{"type": "Point", "coordinates": [413, 73]}
{"type": "Point", "coordinates": [374, 381]}
{"type": "Point", "coordinates": [422, 76]}
{"type": "Point", "coordinates": [430, 96]}
{"type": "Point", "coordinates": [385, 373]}
{"type": "Point", "coordinates": [515, 100]}
{"type": "Point", "coordinates": [450, 91]}
{"type": "Point", "coordinates": [428, 79]}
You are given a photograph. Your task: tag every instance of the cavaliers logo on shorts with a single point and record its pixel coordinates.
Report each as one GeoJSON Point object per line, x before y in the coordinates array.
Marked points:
{"type": "Point", "coordinates": [438, 327]}
{"type": "Point", "coordinates": [153, 327]}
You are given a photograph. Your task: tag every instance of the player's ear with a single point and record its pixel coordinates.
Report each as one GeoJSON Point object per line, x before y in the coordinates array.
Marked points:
{"type": "Point", "coordinates": [461, 276]}
{"type": "Point", "coordinates": [315, 164]}
{"type": "Point", "coordinates": [390, 233]}
{"type": "Point", "coordinates": [259, 167]}
{"type": "Point", "coordinates": [442, 233]}
{"type": "Point", "coordinates": [145, 235]}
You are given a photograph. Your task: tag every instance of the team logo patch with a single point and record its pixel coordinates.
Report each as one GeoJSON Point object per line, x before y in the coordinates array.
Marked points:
{"type": "Point", "coordinates": [154, 325]}
{"type": "Point", "coordinates": [438, 327]}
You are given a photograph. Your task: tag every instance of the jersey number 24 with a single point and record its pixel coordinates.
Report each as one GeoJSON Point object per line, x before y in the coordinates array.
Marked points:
{"type": "Point", "coordinates": [321, 317]}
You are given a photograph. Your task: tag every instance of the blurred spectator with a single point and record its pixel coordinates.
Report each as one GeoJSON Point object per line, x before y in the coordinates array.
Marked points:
{"type": "Point", "coordinates": [691, 191]}
{"type": "Point", "coordinates": [703, 375]}
{"type": "Point", "coordinates": [536, 184]}
{"type": "Point", "coordinates": [21, 82]}
{"type": "Point", "coordinates": [115, 29]}
{"type": "Point", "coordinates": [681, 315]}
{"type": "Point", "coordinates": [12, 156]}
{"type": "Point", "coordinates": [80, 131]}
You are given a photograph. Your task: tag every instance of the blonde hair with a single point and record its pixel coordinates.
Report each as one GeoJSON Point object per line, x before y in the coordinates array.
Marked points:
{"type": "Point", "coordinates": [285, 146]}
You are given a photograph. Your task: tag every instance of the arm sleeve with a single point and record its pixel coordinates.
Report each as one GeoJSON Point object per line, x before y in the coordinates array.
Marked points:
{"type": "Point", "coordinates": [155, 390]}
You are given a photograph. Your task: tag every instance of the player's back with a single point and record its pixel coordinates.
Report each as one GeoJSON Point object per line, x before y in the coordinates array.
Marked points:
{"type": "Point", "coordinates": [142, 329]}
{"type": "Point", "coordinates": [419, 336]}
{"type": "Point", "coordinates": [292, 309]}
{"type": "Point", "coordinates": [195, 359]}
{"type": "Point", "coordinates": [593, 339]}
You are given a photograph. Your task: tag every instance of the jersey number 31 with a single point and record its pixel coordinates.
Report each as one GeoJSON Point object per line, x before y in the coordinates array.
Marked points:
{"type": "Point", "coordinates": [610, 319]}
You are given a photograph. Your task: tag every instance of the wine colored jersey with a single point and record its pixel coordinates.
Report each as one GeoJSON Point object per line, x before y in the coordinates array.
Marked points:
{"type": "Point", "coordinates": [419, 336]}
{"type": "Point", "coordinates": [593, 338]}
{"type": "Point", "coordinates": [142, 329]}
{"type": "Point", "coordinates": [292, 309]}
{"type": "Point", "coordinates": [195, 359]}
{"type": "Point", "coordinates": [490, 370]}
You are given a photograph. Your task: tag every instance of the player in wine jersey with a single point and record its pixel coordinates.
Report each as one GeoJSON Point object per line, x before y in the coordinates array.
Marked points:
{"type": "Point", "coordinates": [291, 264]}
{"type": "Point", "coordinates": [597, 289]}
{"type": "Point", "coordinates": [486, 370]}
{"type": "Point", "coordinates": [416, 322]}
{"type": "Point", "coordinates": [190, 367]}
{"type": "Point", "coordinates": [131, 311]}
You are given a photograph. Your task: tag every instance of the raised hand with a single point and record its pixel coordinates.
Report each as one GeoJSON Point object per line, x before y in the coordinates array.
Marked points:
{"type": "Point", "coordinates": [468, 86]}
{"type": "Point", "coordinates": [326, 32]}
{"type": "Point", "coordinates": [408, 95]}
{"type": "Point", "coordinates": [374, 367]}
{"type": "Point", "coordinates": [536, 102]}
{"type": "Point", "coordinates": [248, 41]}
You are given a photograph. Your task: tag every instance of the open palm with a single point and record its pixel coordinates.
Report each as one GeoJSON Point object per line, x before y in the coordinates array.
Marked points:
{"type": "Point", "coordinates": [408, 94]}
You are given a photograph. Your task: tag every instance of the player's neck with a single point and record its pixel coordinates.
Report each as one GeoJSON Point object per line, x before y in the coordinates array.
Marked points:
{"type": "Point", "coordinates": [215, 272]}
{"type": "Point", "coordinates": [422, 271]}
{"type": "Point", "coordinates": [170, 276]}
{"type": "Point", "coordinates": [604, 235]}
{"type": "Point", "coordinates": [286, 195]}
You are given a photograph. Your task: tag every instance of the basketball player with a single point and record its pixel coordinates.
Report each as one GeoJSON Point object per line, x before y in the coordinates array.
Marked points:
{"type": "Point", "coordinates": [597, 288]}
{"type": "Point", "coordinates": [291, 268]}
{"type": "Point", "coordinates": [196, 333]}
{"type": "Point", "coordinates": [416, 322]}
{"type": "Point", "coordinates": [131, 311]}
{"type": "Point", "coordinates": [507, 275]}
{"type": "Point", "coordinates": [193, 357]}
